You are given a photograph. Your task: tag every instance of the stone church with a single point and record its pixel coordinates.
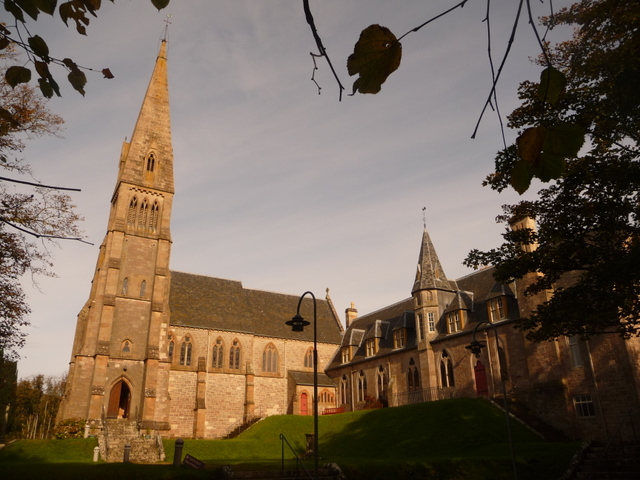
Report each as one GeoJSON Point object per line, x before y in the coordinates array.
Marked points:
{"type": "Point", "coordinates": [195, 356]}
{"type": "Point", "coordinates": [184, 355]}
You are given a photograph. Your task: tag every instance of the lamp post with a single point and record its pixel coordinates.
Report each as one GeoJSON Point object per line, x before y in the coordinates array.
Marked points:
{"type": "Point", "coordinates": [475, 347]}
{"type": "Point", "coordinates": [297, 324]}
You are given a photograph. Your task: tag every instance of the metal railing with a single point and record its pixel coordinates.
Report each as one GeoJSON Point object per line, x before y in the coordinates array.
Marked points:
{"type": "Point", "coordinates": [617, 444]}
{"type": "Point", "coordinates": [299, 462]}
{"type": "Point", "coordinates": [245, 420]}
{"type": "Point", "coordinates": [430, 394]}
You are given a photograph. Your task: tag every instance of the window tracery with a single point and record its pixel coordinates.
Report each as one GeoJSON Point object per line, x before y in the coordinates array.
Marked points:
{"type": "Point", "coordinates": [270, 359]}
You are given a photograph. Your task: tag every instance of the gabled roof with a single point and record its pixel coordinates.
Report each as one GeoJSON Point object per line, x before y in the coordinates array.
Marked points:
{"type": "Point", "coordinates": [306, 378]}
{"type": "Point", "coordinates": [430, 274]}
{"type": "Point", "coordinates": [379, 324]}
{"type": "Point", "coordinates": [220, 304]}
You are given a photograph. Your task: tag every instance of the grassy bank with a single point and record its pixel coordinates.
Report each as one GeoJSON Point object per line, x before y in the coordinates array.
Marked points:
{"type": "Point", "coordinates": [453, 439]}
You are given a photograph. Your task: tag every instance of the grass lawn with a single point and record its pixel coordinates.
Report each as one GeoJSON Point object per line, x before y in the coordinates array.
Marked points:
{"type": "Point", "coordinates": [447, 440]}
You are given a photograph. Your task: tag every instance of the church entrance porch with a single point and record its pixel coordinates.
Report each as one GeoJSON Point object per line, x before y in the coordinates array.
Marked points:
{"type": "Point", "coordinates": [119, 401]}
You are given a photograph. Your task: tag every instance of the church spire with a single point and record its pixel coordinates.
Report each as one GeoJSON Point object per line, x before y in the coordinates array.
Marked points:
{"type": "Point", "coordinates": [148, 159]}
{"type": "Point", "coordinates": [430, 273]}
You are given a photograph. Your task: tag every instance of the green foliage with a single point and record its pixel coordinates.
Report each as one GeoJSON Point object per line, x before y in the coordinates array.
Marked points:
{"type": "Point", "coordinates": [587, 245]}
{"type": "Point", "coordinates": [36, 405]}
{"type": "Point", "coordinates": [375, 56]}
{"type": "Point", "coordinates": [69, 428]}
{"type": "Point", "coordinates": [71, 11]}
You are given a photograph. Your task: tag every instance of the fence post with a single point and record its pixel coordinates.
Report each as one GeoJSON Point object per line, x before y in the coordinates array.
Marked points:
{"type": "Point", "coordinates": [127, 452]}
{"type": "Point", "coordinates": [177, 453]}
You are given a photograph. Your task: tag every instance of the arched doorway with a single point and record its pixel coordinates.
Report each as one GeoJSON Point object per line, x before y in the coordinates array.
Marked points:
{"type": "Point", "coordinates": [119, 400]}
{"type": "Point", "coordinates": [481, 379]}
{"type": "Point", "coordinates": [304, 404]}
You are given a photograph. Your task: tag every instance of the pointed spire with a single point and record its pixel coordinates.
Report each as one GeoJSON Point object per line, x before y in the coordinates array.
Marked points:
{"type": "Point", "coordinates": [152, 134]}
{"type": "Point", "coordinates": [430, 273]}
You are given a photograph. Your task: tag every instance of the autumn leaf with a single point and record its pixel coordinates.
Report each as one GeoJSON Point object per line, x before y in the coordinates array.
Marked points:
{"type": "Point", "coordinates": [376, 55]}
{"type": "Point", "coordinates": [78, 80]}
{"type": "Point", "coordinates": [107, 73]}
{"type": "Point", "coordinates": [16, 75]}
{"type": "Point", "coordinates": [160, 4]}
{"type": "Point", "coordinates": [521, 176]}
{"type": "Point", "coordinates": [39, 47]}
{"type": "Point", "coordinates": [552, 84]}
{"type": "Point", "coordinates": [530, 144]}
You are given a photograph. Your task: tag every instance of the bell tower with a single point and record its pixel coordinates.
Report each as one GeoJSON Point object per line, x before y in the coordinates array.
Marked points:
{"type": "Point", "coordinates": [116, 368]}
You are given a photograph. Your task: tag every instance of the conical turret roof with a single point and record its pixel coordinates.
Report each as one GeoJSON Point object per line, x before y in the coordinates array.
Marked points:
{"type": "Point", "coordinates": [430, 273]}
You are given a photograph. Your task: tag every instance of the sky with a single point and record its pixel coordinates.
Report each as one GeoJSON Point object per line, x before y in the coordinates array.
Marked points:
{"type": "Point", "coordinates": [277, 186]}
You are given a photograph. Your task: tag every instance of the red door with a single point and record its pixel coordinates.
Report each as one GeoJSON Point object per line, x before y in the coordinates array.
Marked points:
{"type": "Point", "coordinates": [119, 401]}
{"type": "Point", "coordinates": [304, 409]}
{"type": "Point", "coordinates": [481, 379]}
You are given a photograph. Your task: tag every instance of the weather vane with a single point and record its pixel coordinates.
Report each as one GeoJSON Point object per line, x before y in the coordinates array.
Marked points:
{"type": "Point", "coordinates": [166, 27]}
{"type": "Point", "coordinates": [424, 217]}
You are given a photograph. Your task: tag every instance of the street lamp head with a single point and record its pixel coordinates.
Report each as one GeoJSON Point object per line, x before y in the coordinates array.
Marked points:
{"type": "Point", "coordinates": [475, 347]}
{"type": "Point", "coordinates": [297, 323]}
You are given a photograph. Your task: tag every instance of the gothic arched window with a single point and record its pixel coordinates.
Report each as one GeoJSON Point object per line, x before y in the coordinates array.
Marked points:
{"type": "Point", "coordinates": [362, 386]}
{"type": "Point", "coordinates": [131, 213]}
{"type": "Point", "coordinates": [446, 370]}
{"type": "Point", "coordinates": [382, 382]}
{"type": "Point", "coordinates": [170, 349]}
{"type": "Point", "coordinates": [125, 286]}
{"type": "Point", "coordinates": [344, 390]}
{"type": "Point", "coordinates": [308, 358]}
{"type": "Point", "coordinates": [234, 355]}
{"type": "Point", "coordinates": [185, 351]}
{"type": "Point", "coordinates": [153, 218]}
{"type": "Point", "coordinates": [217, 355]}
{"type": "Point", "coordinates": [143, 288]}
{"type": "Point", "coordinates": [126, 348]}
{"type": "Point", "coordinates": [270, 359]}
{"type": "Point", "coordinates": [142, 217]}
{"type": "Point", "coordinates": [151, 162]}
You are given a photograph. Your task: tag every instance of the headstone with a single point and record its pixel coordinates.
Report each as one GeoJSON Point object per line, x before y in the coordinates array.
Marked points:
{"type": "Point", "coordinates": [193, 462]}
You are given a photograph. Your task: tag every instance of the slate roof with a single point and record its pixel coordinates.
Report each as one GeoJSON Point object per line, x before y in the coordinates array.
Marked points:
{"type": "Point", "coordinates": [306, 378]}
{"type": "Point", "coordinates": [430, 273]}
{"type": "Point", "coordinates": [220, 304]}
{"type": "Point", "coordinates": [380, 324]}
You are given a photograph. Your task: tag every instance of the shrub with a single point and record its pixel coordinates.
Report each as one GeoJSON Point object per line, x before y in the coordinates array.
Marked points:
{"type": "Point", "coordinates": [70, 428]}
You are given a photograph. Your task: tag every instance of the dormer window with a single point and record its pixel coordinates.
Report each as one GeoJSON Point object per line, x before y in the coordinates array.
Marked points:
{"type": "Point", "coordinates": [497, 309]}
{"type": "Point", "coordinates": [346, 354]}
{"type": "Point", "coordinates": [372, 347]}
{"type": "Point", "coordinates": [455, 321]}
{"type": "Point", "coordinates": [399, 338]}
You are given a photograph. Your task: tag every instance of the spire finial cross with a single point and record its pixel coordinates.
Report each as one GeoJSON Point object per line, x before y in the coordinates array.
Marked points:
{"type": "Point", "coordinates": [166, 27]}
{"type": "Point", "coordinates": [424, 217]}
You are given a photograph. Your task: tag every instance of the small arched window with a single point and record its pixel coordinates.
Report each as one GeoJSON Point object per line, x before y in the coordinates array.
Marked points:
{"type": "Point", "coordinates": [344, 390]}
{"type": "Point", "coordinates": [142, 217]}
{"type": "Point", "coordinates": [185, 351]}
{"type": "Point", "coordinates": [125, 286]}
{"type": "Point", "coordinates": [217, 355]}
{"type": "Point", "coordinates": [308, 358]}
{"type": "Point", "coordinates": [362, 386]}
{"type": "Point", "coordinates": [126, 348]}
{"type": "Point", "coordinates": [170, 348]}
{"type": "Point", "coordinates": [270, 359]}
{"type": "Point", "coordinates": [382, 382]}
{"type": "Point", "coordinates": [143, 288]}
{"type": "Point", "coordinates": [234, 355]}
{"type": "Point", "coordinates": [131, 213]}
{"type": "Point", "coordinates": [446, 370]}
{"type": "Point", "coordinates": [151, 162]}
{"type": "Point", "coordinates": [153, 218]}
